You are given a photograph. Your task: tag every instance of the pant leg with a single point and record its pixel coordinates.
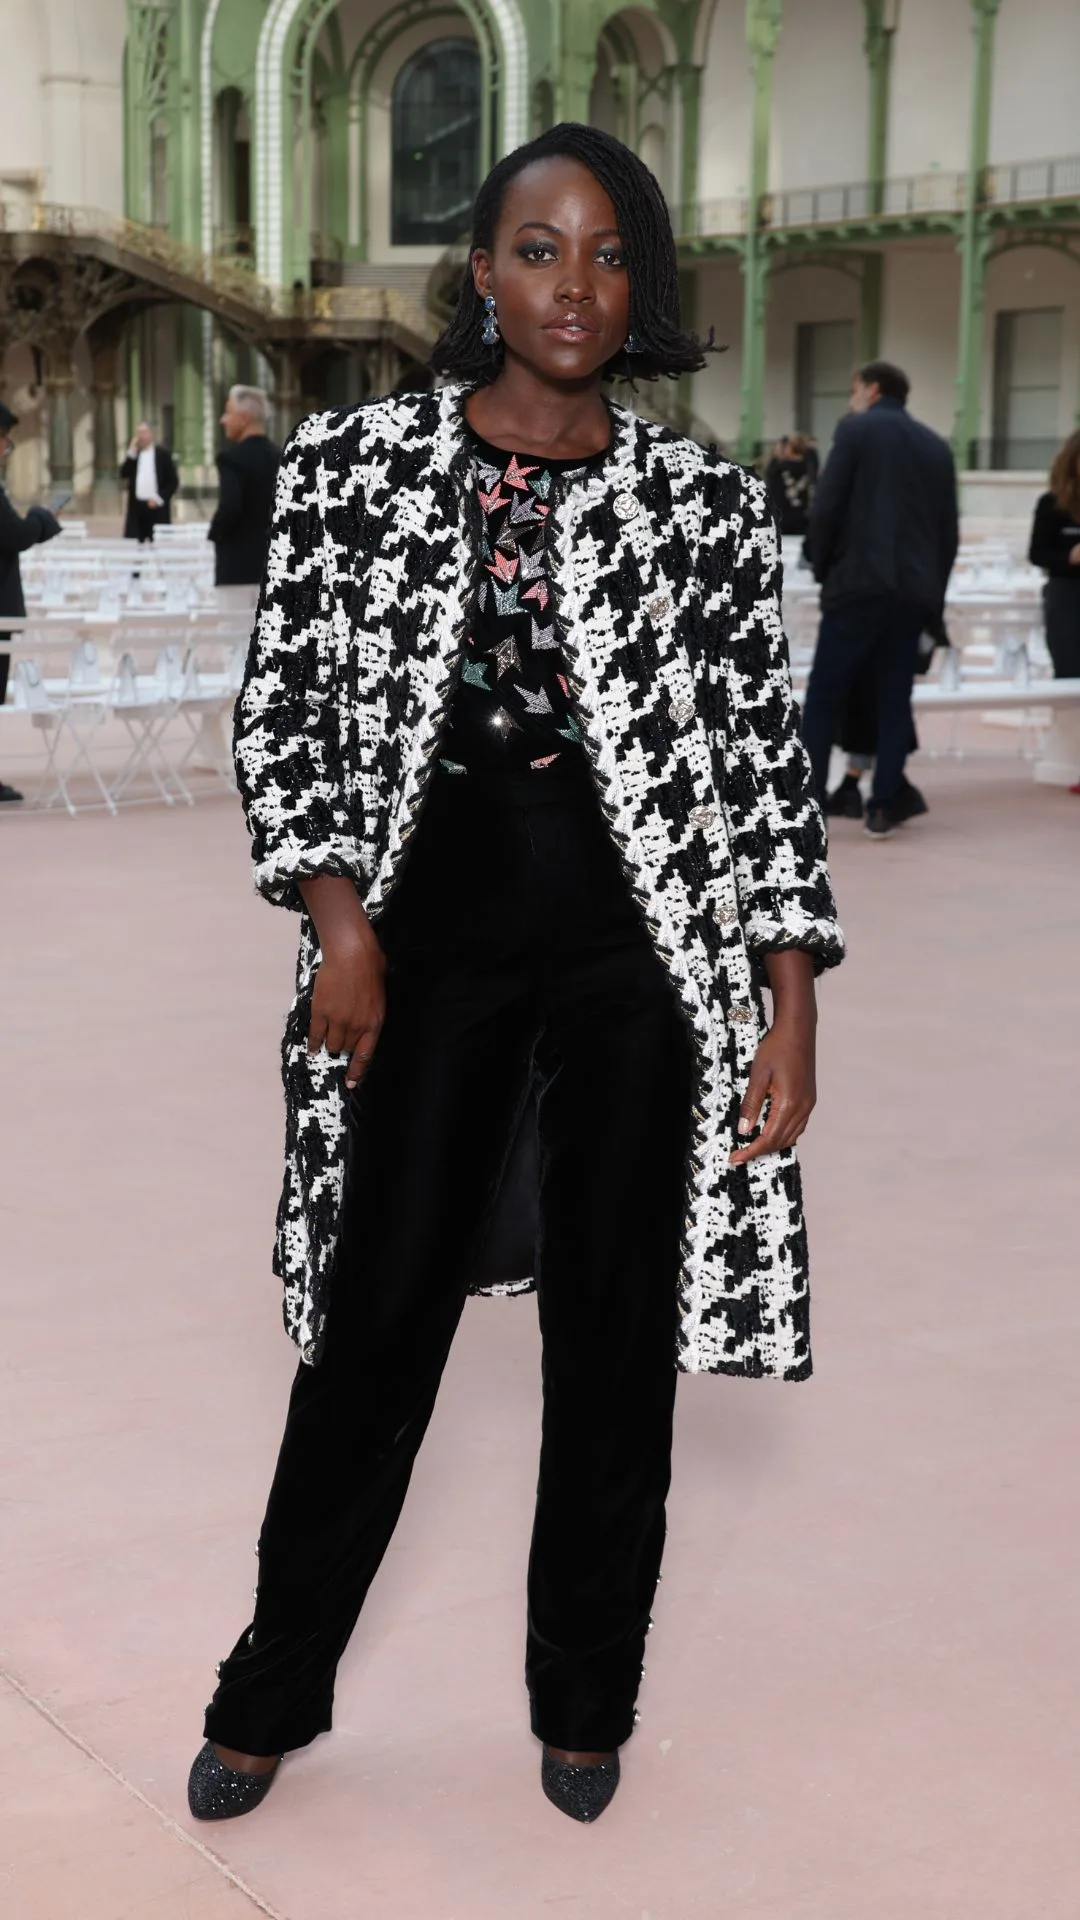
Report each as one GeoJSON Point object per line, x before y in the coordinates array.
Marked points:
{"type": "Point", "coordinates": [432, 1123]}
{"type": "Point", "coordinates": [614, 1118]}
{"type": "Point", "coordinates": [898, 626]}
{"type": "Point", "coordinates": [1061, 607]}
{"type": "Point", "coordinates": [844, 644]}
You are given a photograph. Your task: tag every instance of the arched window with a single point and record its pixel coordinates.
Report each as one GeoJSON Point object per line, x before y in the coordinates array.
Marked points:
{"type": "Point", "coordinates": [435, 117]}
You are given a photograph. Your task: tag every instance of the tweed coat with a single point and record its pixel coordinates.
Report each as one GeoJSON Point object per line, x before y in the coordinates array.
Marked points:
{"type": "Point", "coordinates": [665, 579]}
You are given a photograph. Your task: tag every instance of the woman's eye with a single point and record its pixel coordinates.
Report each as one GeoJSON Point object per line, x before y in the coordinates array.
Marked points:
{"type": "Point", "coordinates": [612, 257]}
{"type": "Point", "coordinates": [537, 250]}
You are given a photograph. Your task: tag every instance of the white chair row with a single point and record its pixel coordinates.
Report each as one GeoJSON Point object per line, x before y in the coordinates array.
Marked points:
{"type": "Point", "coordinates": [167, 715]}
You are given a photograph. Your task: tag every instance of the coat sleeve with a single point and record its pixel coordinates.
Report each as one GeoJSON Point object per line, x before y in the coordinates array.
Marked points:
{"type": "Point", "coordinates": [775, 829]}
{"type": "Point", "coordinates": [830, 503]}
{"type": "Point", "coordinates": [18, 532]}
{"type": "Point", "coordinates": [286, 738]}
{"type": "Point", "coordinates": [230, 504]}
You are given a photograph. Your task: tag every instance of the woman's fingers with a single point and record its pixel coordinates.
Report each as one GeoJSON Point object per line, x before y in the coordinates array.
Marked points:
{"type": "Point", "coordinates": [785, 1123]}
{"type": "Point", "coordinates": [361, 1056]}
{"type": "Point", "coordinates": [757, 1089]}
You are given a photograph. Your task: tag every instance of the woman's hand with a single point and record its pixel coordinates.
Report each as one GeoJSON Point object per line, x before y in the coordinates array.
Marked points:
{"type": "Point", "coordinates": [348, 1005]}
{"type": "Point", "coordinates": [783, 1066]}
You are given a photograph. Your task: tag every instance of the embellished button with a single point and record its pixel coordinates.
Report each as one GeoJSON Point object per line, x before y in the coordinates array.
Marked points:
{"type": "Point", "coordinates": [725, 916]}
{"type": "Point", "coordinates": [681, 711]}
{"type": "Point", "coordinates": [741, 1013]}
{"type": "Point", "coordinates": [659, 606]}
{"type": "Point", "coordinates": [702, 816]}
{"type": "Point", "coordinates": [626, 507]}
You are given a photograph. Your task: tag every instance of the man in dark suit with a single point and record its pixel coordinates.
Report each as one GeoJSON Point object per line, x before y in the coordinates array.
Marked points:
{"type": "Point", "coordinates": [883, 536]}
{"type": "Point", "coordinates": [17, 532]}
{"type": "Point", "coordinates": [247, 470]}
{"type": "Point", "coordinates": [149, 472]}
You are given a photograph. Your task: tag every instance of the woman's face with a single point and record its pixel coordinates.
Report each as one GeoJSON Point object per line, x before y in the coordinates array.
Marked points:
{"type": "Point", "coordinates": [558, 272]}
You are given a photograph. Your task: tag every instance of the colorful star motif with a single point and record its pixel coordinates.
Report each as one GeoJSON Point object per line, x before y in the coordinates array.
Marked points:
{"type": "Point", "coordinates": [515, 475]}
{"type": "Point", "coordinates": [538, 592]}
{"type": "Point", "coordinates": [503, 567]}
{"type": "Point", "coordinates": [474, 674]}
{"type": "Point", "coordinates": [506, 657]}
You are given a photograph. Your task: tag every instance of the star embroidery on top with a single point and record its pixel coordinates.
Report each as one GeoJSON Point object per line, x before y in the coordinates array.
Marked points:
{"type": "Point", "coordinates": [506, 599]}
{"type": "Point", "coordinates": [503, 568]}
{"type": "Point", "coordinates": [506, 657]}
{"type": "Point", "coordinates": [491, 502]}
{"type": "Point", "coordinates": [538, 591]}
{"type": "Point", "coordinates": [515, 475]}
{"type": "Point", "coordinates": [541, 486]}
{"type": "Point", "coordinates": [543, 638]}
{"type": "Point", "coordinates": [474, 674]}
{"type": "Point", "coordinates": [533, 565]}
{"type": "Point", "coordinates": [535, 702]}
{"type": "Point", "coordinates": [525, 510]}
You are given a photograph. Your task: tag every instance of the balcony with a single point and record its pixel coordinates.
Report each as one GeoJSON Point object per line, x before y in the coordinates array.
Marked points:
{"type": "Point", "coordinates": [937, 196]}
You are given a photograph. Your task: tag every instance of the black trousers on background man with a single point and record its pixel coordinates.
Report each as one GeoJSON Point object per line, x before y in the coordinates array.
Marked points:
{"type": "Point", "coordinates": [879, 636]}
{"type": "Point", "coordinates": [514, 950]}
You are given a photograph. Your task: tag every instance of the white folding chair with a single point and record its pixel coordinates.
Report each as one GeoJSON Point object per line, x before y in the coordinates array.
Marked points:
{"type": "Point", "coordinates": [61, 721]}
{"type": "Point", "coordinates": [145, 709]}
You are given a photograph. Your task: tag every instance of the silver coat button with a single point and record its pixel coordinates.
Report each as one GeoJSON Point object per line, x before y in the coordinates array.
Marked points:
{"type": "Point", "coordinates": [741, 1013]}
{"type": "Point", "coordinates": [681, 711]}
{"type": "Point", "coordinates": [626, 507]}
{"type": "Point", "coordinates": [702, 816]}
{"type": "Point", "coordinates": [725, 916]}
{"type": "Point", "coordinates": [659, 606]}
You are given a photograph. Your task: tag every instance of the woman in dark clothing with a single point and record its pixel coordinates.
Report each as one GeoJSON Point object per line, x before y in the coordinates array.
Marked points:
{"type": "Point", "coordinates": [789, 482]}
{"type": "Point", "coordinates": [517, 739]}
{"type": "Point", "coordinates": [1055, 546]}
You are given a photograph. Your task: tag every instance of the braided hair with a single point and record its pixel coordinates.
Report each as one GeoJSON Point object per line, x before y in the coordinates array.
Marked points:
{"type": "Point", "coordinates": [645, 231]}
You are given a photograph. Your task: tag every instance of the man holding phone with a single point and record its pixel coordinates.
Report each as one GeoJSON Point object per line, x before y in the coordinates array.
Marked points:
{"type": "Point", "coordinates": [17, 532]}
{"type": "Point", "coordinates": [149, 472]}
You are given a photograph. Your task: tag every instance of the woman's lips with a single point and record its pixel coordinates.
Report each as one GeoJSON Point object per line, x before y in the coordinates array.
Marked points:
{"type": "Point", "coordinates": [571, 328]}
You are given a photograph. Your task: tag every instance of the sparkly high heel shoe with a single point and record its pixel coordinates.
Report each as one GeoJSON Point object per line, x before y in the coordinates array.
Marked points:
{"type": "Point", "coordinates": [581, 1792]}
{"type": "Point", "coordinates": [218, 1792]}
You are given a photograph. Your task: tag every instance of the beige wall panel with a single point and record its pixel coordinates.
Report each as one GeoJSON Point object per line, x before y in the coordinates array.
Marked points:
{"type": "Point", "coordinates": [1035, 103]}
{"type": "Point", "coordinates": [921, 304]}
{"type": "Point", "coordinates": [802, 295]}
{"type": "Point", "coordinates": [725, 107]}
{"type": "Point", "coordinates": [820, 95]}
{"type": "Point", "coordinates": [1036, 277]}
{"type": "Point", "coordinates": [931, 93]}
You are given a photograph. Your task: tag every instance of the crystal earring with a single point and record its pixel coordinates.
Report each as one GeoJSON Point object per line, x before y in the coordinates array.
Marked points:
{"type": "Point", "coordinates": [633, 344]}
{"type": "Point", "coordinates": [490, 333]}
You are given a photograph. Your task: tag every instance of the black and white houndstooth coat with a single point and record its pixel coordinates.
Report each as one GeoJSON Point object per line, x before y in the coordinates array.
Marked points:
{"type": "Point", "coordinates": [665, 576]}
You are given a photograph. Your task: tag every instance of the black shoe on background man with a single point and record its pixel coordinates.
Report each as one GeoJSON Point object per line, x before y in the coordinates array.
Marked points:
{"type": "Point", "coordinates": [845, 801]}
{"type": "Point", "coordinates": [880, 822]}
{"type": "Point", "coordinates": [909, 803]}
{"type": "Point", "coordinates": [9, 793]}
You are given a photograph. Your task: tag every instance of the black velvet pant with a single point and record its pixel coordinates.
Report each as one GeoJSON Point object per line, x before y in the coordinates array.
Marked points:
{"type": "Point", "coordinates": [516, 956]}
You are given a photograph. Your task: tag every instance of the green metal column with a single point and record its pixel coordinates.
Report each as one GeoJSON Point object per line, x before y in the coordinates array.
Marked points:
{"type": "Point", "coordinates": [974, 240]}
{"type": "Point", "coordinates": [762, 34]}
{"type": "Point", "coordinates": [689, 83]}
{"type": "Point", "coordinates": [881, 19]}
{"type": "Point", "coordinates": [575, 69]}
{"type": "Point", "coordinates": [881, 23]}
{"type": "Point", "coordinates": [185, 190]}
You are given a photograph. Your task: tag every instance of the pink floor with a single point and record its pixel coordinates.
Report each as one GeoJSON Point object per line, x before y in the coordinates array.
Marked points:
{"type": "Point", "coordinates": [862, 1693]}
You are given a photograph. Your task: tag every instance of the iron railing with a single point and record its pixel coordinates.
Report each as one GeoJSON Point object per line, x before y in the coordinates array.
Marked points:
{"type": "Point", "coordinates": [906, 196]}
{"type": "Point", "coordinates": [1032, 180]}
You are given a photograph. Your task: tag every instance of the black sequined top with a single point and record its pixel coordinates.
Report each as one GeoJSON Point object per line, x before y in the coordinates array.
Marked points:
{"type": "Point", "coordinates": [512, 712]}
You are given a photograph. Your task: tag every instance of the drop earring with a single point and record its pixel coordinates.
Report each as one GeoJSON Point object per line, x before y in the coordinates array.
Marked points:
{"type": "Point", "coordinates": [633, 344]}
{"type": "Point", "coordinates": [490, 331]}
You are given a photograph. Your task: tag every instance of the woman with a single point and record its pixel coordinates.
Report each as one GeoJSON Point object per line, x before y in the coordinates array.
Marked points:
{"type": "Point", "coordinates": [1055, 546]}
{"type": "Point", "coordinates": [789, 482]}
{"type": "Point", "coordinates": [517, 737]}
